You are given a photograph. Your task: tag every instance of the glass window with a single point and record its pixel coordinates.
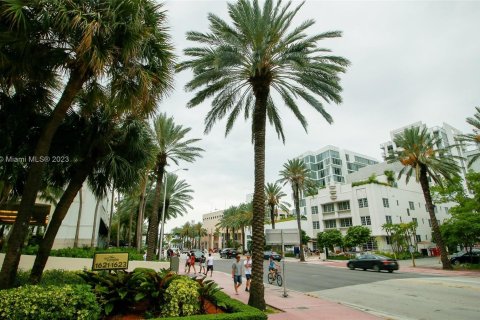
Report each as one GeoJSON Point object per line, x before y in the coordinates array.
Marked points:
{"type": "Point", "coordinates": [363, 203]}
{"type": "Point", "coordinates": [408, 212]}
{"type": "Point", "coordinates": [337, 171]}
{"type": "Point", "coordinates": [315, 210]}
{"type": "Point", "coordinates": [385, 203]}
{"type": "Point", "coordinates": [388, 219]}
{"type": "Point", "coordinates": [411, 205]}
{"type": "Point", "coordinates": [366, 221]}
{"type": "Point", "coordinates": [327, 208]}
{"type": "Point", "coordinates": [346, 222]}
{"type": "Point", "coordinates": [330, 224]}
{"type": "Point", "coordinates": [337, 161]}
{"type": "Point", "coordinates": [419, 237]}
{"type": "Point", "coordinates": [344, 205]}
{"type": "Point", "coordinates": [316, 225]}
{"type": "Point", "coordinates": [415, 220]}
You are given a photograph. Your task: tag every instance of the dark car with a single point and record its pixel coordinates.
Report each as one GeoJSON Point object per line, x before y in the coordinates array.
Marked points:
{"type": "Point", "coordinates": [228, 253]}
{"type": "Point", "coordinates": [373, 261]}
{"type": "Point", "coordinates": [267, 254]}
{"type": "Point", "coordinates": [466, 257]}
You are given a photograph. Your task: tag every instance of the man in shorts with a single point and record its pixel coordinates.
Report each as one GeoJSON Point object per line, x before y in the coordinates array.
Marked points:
{"type": "Point", "coordinates": [209, 264]}
{"type": "Point", "coordinates": [248, 271]}
{"type": "Point", "coordinates": [237, 270]}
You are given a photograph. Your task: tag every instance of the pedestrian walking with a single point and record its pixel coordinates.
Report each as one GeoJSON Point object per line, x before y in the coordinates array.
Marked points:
{"type": "Point", "coordinates": [248, 271]}
{"type": "Point", "coordinates": [209, 265]}
{"type": "Point", "coordinates": [192, 263]}
{"type": "Point", "coordinates": [187, 263]}
{"type": "Point", "coordinates": [202, 265]}
{"type": "Point", "coordinates": [237, 270]}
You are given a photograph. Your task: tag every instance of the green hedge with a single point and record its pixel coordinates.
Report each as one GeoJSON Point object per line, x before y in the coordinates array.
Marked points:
{"type": "Point", "coordinates": [54, 277]}
{"type": "Point", "coordinates": [49, 303]}
{"type": "Point", "coordinates": [84, 252]}
{"type": "Point", "coordinates": [236, 309]}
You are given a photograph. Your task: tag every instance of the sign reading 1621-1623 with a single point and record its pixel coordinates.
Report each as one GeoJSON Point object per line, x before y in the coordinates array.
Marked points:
{"type": "Point", "coordinates": [110, 261]}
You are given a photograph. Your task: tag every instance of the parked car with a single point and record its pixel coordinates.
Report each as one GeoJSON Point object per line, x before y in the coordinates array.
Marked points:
{"type": "Point", "coordinates": [267, 254]}
{"type": "Point", "coordinates": [228, 253]}
{"type": "Point", "coordinates": [373, 261]}
{"type": "Point", "coordinates": [466, 257]}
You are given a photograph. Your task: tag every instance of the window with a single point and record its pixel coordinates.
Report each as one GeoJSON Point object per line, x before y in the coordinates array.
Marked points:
{"type": "Point", "coordinates": [366, 221]}
{"type": "Point", "coordinates": [337, 171]}
{"type": "Point", "coordinates": [327, 208]}
{"type": "Point", "coordinates": [411, 205]}
{"type": "Point", "coordinates": [385, 203]}
{"type": "Point", "coordinates": [429, 223]}
{"type": "Point", "coordinates": [363, 203]}
{"type": "Point", "coordinates": [388, 219]}
{"type": "Point", "coordinates": [415, 220]}
{"type": "Point", "coordinates": [419, 237]}
{"type": "Point", "coordinates": [446, 210]}
{"type": "Point", "coordinates": [346, 222]}
{"type": "Point", "coordinates": [315, 210]}
{"type": "Point", "coordinates": [344, 205]}
{"type": "Point", "coordinates": [329, 224]}
{"type": "Point", "coordinates": [316, 225]}
{"type": "Point", "coordinates": [408, 212]}
{"type": "Point", "coordinates": [337, 161]}
{"type": "Point", "coordinates": [397, 203]}
{"type": "Point", "coordinates": [370, 245]}
{"type": "Point", "coordinates": [388, 239]}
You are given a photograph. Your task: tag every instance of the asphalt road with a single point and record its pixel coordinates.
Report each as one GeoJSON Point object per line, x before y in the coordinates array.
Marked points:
{"type": "Point", "coordinates": [312, 277]}
{"type": "Point", "coordinates": [398, 295]}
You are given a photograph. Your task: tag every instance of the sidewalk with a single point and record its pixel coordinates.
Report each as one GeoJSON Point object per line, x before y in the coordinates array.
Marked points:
{"type": "Point", "coordinates": [296, 306]}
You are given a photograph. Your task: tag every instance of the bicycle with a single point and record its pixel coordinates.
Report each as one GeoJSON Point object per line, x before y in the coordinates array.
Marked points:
{"type": "Point", "coordinates": [275, 276]}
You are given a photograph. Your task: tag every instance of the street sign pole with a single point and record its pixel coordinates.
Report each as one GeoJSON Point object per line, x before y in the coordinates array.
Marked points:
{"type": "Point", "coordinates": [285, 294]}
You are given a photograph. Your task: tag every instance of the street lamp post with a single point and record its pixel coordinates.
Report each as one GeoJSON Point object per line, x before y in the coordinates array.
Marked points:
{"type": "Point", "coordinates": [160, 246]}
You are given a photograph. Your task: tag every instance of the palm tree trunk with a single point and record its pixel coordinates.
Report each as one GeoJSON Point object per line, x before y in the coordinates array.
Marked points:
{"type": "Point", "coordinates": [153, 235]}
{"type": "Point", "coordinates": [58, 215]}
{"type": "Point", "coordinates": [296, 199]}
{"type": "Point", "coordinates": [272, 215]}
{"type": "Point", "coordinates": [118, 233]}
{"type": "Point", "coordinates": [77, 230]}
{"type": "Point", "coordinates": [110, 218]}
{"type": "Point", "coordinates": [34, 181]}
{"type": "Point", "coordinates": [141, 214]}
{"type": "Point", "coordinates": [92, 241]}
{"type": "Point", "coordinates": [257, 290]}
{"type": "Point", "coordinates": [437, 236]}
{"type": "Point", "coordinates": [130, 226]}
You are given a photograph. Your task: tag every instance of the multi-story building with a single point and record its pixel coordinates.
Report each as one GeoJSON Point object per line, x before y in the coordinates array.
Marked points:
{"type": "Point", "coordinates": [331, 164]}
{"type": "Point", "coordinates": [340, 206]}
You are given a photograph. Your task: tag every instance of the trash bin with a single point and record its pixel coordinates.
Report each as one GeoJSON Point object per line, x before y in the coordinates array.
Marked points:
{"type": "Point", "coordinates": [174, 264]}
{"type": "Point", "coordinates": [424, 252]}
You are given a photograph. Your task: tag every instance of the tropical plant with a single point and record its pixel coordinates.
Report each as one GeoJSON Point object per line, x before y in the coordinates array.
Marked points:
{"type": "Point", "coordinates": [273, 196]}
{"type": "Point", "coordinates": [390, 175]}
{"type": "Point", "coordinates": [472, 139]}
{"type": "Point", "coordinates": [172, 145]}
{"type": "Point", "coordinates": [123, 44]}
{"type": "Point", "coordinates": [239, 64]}
{"type": "Point", "coordinates": [329, 239]}
{"type": "Point", "coordinates": [416, 151]}
{"type": "Point", "coordinates": [297, 174]}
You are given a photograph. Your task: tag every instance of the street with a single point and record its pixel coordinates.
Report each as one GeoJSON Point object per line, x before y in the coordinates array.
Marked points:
{"type": "Point", "coordinates": [398, 295]}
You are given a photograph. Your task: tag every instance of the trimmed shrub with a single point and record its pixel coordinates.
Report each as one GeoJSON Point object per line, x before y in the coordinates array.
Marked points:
{"type": "Point", "coordinates": [54, 277]}
{"type": "Point", "coordinates": [237, 310]}
{"type": "Point", "coordinates": [181, 298]}
{"type": "Point", "coordinates": [49, 303]}
{"type": "Point", "coordinates": [84, 252]}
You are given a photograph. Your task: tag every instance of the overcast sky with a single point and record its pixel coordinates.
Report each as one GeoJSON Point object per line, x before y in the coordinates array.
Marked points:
{"type": "Point", "coordinates": [410, 61]}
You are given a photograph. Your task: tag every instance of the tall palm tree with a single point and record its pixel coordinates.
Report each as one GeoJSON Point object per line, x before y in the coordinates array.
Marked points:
{"type": "Point", "coordinates": [472, 138]}
{"type": "Point", "coordinates": [238, 64]}
{"type": "Point", "coordinates": [273, 195]}
{"type": "Point", "coordinates": [416, 152]}
{"type": "Point", "coordinates": [173, 145]}
{"type": "Point", "coordinates": [297, 174]}
{"type": "Point", "coordinates": [244, 218]}
{"type": "Point", "coordinates": [123, 42]}
{"type": "Point", "coordinates": [79, 218]}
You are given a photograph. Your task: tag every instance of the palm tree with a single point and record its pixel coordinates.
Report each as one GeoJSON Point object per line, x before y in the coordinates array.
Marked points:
{"type": "Point", "coordinates": [79, 218]}
{"type": "Point", "coordinates": [112, 152]}
{"type": "Point", "coordinates": [416, 151]}
{"type": "Point", "coordinates": [472, 138]}
{"type": "Point", "coordinates": [125, 44]}
{"type": "Point", "coordinates": [172, 145]}
{"type": "Point", "coordinates": [273, 195]}
{"type": "Point", "coordinates": [390, 175]}
{"type": "Point", "coordinates": [239, 64]}
{"type": "Point", "coordinates": [297, 174]}
{"type": "Point", "coordinates": [244, 219]}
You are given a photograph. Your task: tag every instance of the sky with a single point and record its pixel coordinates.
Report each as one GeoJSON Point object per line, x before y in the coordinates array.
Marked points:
{"type": "Point", "coordinates": [410, 61]}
